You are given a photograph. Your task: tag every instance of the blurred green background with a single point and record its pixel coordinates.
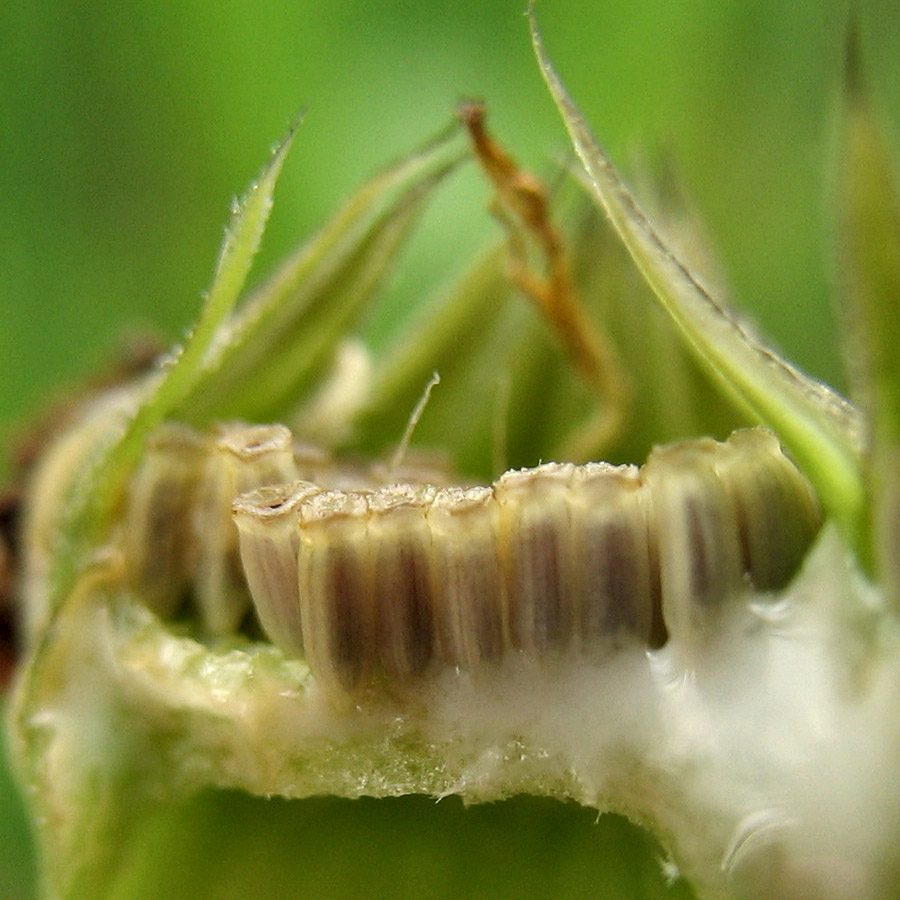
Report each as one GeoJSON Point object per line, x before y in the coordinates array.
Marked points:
{"type": "Point", "coordinates": [126, 127]}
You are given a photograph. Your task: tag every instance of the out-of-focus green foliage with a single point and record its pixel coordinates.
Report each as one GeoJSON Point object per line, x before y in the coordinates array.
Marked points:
{"type": "Point", "coordinates": [125, 128]}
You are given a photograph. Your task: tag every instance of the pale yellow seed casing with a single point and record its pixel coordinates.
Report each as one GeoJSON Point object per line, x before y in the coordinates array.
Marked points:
{"type": "Point", "coordinates": [777, 512]}
{"type": "Point", "coordinates": [730, 518]}
{"type": "Point", "coordinates": [267, 523]}
{"type": "Point", "coordinates": [616, 574]}
{"type": "Point", "coordinates": [242, 457]}
{"type": "Point", "coordinates": [466, 576]}
{"type": "Point", "coordinates": [535, 544]}
{"type": "Point", "coordinates": [404, 599]}
{"type": "Point", "coordinates": [337, 590]}
{"type": "Point", "coordinates": [159, 534]}
{"type": "Point", "coordinates": [698, 541]}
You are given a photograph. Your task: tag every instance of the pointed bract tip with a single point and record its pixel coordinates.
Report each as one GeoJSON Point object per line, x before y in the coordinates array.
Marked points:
{"type": "Point", "coordinates": [281, 149]}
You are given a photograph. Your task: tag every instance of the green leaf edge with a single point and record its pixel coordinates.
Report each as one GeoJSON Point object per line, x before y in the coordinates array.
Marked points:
{"type": "Point", "coordinates": [375, 220]}
{"type": "Point", "coordinates": [817, 426]}
{"type": "Point", "coordinates": [242, 240]}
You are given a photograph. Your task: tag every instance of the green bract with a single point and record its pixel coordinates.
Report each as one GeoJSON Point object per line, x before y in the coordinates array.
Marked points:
{"type": "Point", "coordinates": [758, 741]}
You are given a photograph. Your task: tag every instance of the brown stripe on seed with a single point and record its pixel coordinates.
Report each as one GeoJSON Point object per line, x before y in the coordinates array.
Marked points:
{"type": "Point", "coordinates": [776, 510]}
{"type": "Point", "coordinates": [400, 544]}
{"type": "Point", "coordinates": [700, 561]}
{"type": "Point", "coordinates": [534, 543]}
{"type": "Point", "coordinates": [336, 589]}
{"type": "Point", "coordinates": [351, 643]}
{"type": "Point", "coordinates": [612, 548]}
{"type": "Point", "coordinates": [466, 577]}
{"type": "Point", "coordinates": [242, 457]}
{"type": "Point", "coordinates": [158, 535]}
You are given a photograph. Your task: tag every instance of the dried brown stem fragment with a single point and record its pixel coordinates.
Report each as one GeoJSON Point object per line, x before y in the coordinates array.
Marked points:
{"type": "Point", "coordinates": [522, 206]}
